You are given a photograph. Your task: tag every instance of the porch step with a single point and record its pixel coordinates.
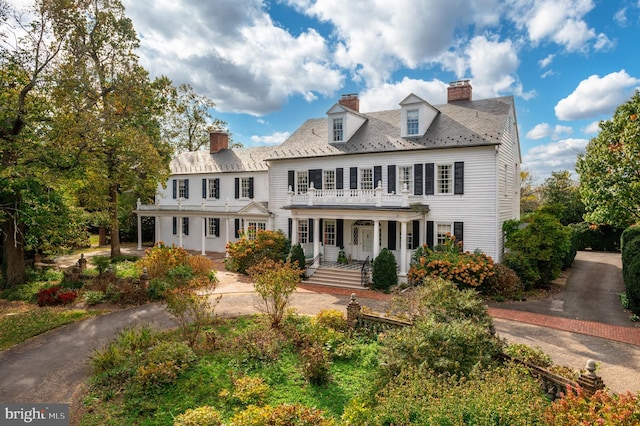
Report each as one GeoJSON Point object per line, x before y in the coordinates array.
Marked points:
{"type": "Point", "coordinates": [348, 278]}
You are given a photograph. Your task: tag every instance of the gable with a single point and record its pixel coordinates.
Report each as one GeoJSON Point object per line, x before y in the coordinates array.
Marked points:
{"type": "Point", "coordinates": [416, 116]}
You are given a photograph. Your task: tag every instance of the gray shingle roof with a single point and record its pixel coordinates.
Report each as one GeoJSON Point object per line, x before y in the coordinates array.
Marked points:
{"type": "Point", "coordinates": [459, 124]}
{"type": "Point", "coordinates": [226, 160]}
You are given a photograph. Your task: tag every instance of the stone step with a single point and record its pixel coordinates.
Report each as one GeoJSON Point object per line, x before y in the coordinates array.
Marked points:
{"type": "Point", "coordinates": [348, 278]}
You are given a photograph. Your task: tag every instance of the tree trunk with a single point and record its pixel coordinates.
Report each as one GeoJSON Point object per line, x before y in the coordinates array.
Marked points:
{"type": "Point", "coordinates": [14, 271]}
{"type": "Point", "coordinates": [113, 216]}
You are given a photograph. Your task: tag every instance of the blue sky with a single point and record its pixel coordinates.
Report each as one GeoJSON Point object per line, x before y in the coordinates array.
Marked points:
{"type": "Point", "coordinates": [270, 65]}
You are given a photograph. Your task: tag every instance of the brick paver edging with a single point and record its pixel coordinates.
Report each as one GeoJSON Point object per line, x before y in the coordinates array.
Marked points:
{"type": "Point", "coordinates": [341, 291]}
{"type": "Point", "coordinates": [630, 335]}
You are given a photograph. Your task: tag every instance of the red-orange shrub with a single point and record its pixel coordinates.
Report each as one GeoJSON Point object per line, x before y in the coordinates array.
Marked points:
{"type": "Point", "coordinates": [575, 408]}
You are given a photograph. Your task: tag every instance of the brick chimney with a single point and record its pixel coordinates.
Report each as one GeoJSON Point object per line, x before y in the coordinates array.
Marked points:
{"type": "Point", "coordinates": [350, 101]}
{"type": "Point", "coordinates": [459, 91]}
{"type": "Point", "coordinates": [218, 140]}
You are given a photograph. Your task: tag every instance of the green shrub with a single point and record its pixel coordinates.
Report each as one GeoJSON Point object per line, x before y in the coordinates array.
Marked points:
{"type": "Point", "coordinates": [102, 263]}
{"type": "Point", "coordinates": [201, 416]}
{"type": "Point", "coordinates": [296, 256]}
{"type": "Point", "coordinates": [260, 343]}
{"type": "Point", "coordinates": [385, 271]}
{"type": "Point", "coordinates": [281, 415]}
{"type": "Point", "coordinates": [533, 355]}
{"type": "Point", "coordinates": [274, 281]}
{"type": "Point", "coordinates": [331, 318]}
{"type": "Point", "coordinates": [631, 272]}
{"type": "Point", "coordinates": [123, 348]}
{"type": "Point", "coordinates": [193, 311]}
{"type": "Point", "coordinates": [601, 408]}
{"type": "Point", "coordinates": [504, 283]}
{"type": "Point", "coordinates": [92, 297]}
{"type": "Point", "coordinates": [500, 396]}
{"type": "Point", "coordinates": [539, 243]}
{"type": "Point", "coordinates": [630, 233]}
{"type": "Point", "coordinates": [164, 362]}
{"type": "Point", "coordinates": [315, 364]}
{"type": "Point", "coordinates": [160, 259]}
{"type": "Point", "coordinates": [448, 261]}
{"type": "Point", "coordinates": [250, 390]}
{"type": "Point", "coordinates": [596, 237]}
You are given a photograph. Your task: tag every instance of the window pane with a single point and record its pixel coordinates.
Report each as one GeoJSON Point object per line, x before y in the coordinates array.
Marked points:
{"type": "Point", "coordinates": [212, 231]}
{"type": "Point", "coordinates": [182, 188]}
{"type": "Point", "coordinates": [412, 122]}
{"type": "Point", "coordinates": [444, 179]}
{"type": "Point", "coordinates": [337, 130]}
{"type": "Point", "coordinates": [405, 177]}
{"type": "Point", "coordinates": [245, 187]}
{"type": "Point", "coordinates": [366, 179]}
{"type": "Point", "coordinates": [329, 179]}
{"type": "Point", "coordinates": [302, 182]}
{"type": "Point", "coordinates": [212, 188]}
{"type": "Point", "coordinates": [443, 231]}
{"type": "Point", "coordinates": [329, 233]}
{"type": "Point", "coordinates": [303, 231]}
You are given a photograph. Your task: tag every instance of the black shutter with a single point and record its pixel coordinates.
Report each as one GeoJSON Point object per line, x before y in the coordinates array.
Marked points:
{"type": "Point", "coordinates": [216, 182]}
{"type": "Point", "coordinates": [391, 240]}
{"type": "Point", "coordinates": [251, 188]}
{"type": "Point", "coordinates": [216, 223]}
{"type": "Point", "coordinates": [340, 178]}
{"type": "Point", "coordinates": [315, 176]}
{"type": "Point", "coordinates": [353, 178]}
{"type": "Point", "coordinates": [290, 180]}
{"type": "Point", "coordinates": [290, 228]}
{"type": "Point", "coordinates": [175, 225]}
{"type": "Point", "coordinates": [237, 188]}
{"type": "Point", "coordinates": [185, 222]}
{"type": "Point", "coordinates": [321, 236]}
{"type": "Point", "coordinates": [310, 225]}
{"type": "Point", "coordinates": [418, 179]}
{"type": "Point", "coordinates": [458, 177]}
{"type": "Point", "coordinates": [391, 179]}
{"type": "Point", "coordinates": [204, 189]}
{"type": "Point", "coordinates": [429, 179]}
{"type": "Point", "coordinates": [206, 226]}
{"type": "Point", "coordinates": [377, 175]}
{"type": "Point", "coordinates": [186, 189]}
{"type": "Point", "coordinates": [175, 188]}
{"type": "Point", "coordinates": [236, 228]}
{"type": "Point", "coordinates": [415, 235]}
{"type": "Point", "coordinates": [340, 233]}
{"type": "Point", "coordinates": [430, 240]}
{"type": "Point", "coordinates": [458, 228]}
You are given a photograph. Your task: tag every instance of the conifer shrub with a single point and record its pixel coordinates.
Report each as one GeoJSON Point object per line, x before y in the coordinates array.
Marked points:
{"type": "Point", "coordinates": [296, 257]}
{"type": "Point", "coordinates": [385, 271]}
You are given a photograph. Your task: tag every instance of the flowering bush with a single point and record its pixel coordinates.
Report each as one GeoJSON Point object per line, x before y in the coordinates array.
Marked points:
{"type": "Point", "coordinates": [251, 251]}
{"type": "Point", "coordinates": [160, 259]}
{"type": "Point", "coordinates": [448, 261]}
{"type": "Point", "coordinates": [56, 295]}
{"type": "Point", "coordinates": [574, 408]}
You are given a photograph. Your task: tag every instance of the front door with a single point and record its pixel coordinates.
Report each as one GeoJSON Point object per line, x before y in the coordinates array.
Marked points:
{"type": "Point", "coordinates": [366, 243]}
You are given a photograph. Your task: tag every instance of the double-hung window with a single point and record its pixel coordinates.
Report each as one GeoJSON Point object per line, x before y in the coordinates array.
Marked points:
{"type": "Point", "coordinates": [444, 179]}
{"type": "Point", "coordinates": [212, 227]}
{"type": "Point", "coordinates": [245, 185]}
{"type": "Point", "coordinates": [405, 177]}
{"type": "Point", "coordinates": [253, 227]}
{"type": "Point", "coordinates": [329, 179]}
{"type": "Point", "coordinates": [302, 182]}
{"type": "Point", "coordinates": [338, 130]}
{"type": "Point", "coordinates": [443, 230]}
{"type": "Point", "coordinates": [182, 188]}
{"type": "Point", "coordinates": [329, 233]}
{"type": "Point", "coordinates": [303, 231]}
{"type": "Point", "coordinates": [412, 122]}
{"type": "Point", "coordinates": [214, 191]}
{"type": "Point", "coordinates": [366, 178]}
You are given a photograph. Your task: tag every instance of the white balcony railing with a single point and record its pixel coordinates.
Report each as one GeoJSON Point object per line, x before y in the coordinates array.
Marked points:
{"type": "Point", "coordinates": [364, 197]}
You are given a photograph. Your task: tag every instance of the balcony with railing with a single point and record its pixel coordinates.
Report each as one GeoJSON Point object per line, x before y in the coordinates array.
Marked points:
{"type": "Point", "coordinates": [358, 197]}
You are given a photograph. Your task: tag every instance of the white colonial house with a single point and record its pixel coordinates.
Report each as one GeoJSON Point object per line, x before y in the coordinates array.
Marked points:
{"type": "Point", "coordinates": [358, 182]}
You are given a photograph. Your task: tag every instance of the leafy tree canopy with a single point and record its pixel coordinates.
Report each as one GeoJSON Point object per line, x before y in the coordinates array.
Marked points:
{"type": "Point", "coordinates": [562, 191]}
{"type": "Point", "coordinates": [609, 172]}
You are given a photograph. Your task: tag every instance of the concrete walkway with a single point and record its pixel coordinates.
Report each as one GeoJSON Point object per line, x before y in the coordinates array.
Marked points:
{"type": "Point", "coordinates": [48, 368]}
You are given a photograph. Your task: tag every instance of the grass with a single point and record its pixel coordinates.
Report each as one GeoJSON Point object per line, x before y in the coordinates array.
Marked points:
{"type": "Point", "coordinates": [16, 327]}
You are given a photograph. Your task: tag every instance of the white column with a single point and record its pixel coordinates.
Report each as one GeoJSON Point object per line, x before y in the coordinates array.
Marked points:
{"type": "Point", "coordinates": [158, 229]}
{"type": "Point", "coordinates": [180, 219]}
{"type": "Point", "coordinates": [139, 230]}
{"type": "Point", "coordinates": [316, 242]}
{"type": "Point", "coordinates": [376, 238]}
{"type": "Point", "coordinates": [204, 231]}
{"type": "Point", "coordinates": [403, 250]}
{"type": "Point", "coordinates": [294, 231]}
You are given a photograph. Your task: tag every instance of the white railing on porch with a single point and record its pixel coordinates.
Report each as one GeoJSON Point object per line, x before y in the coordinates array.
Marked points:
{"type": "Point", "coordinates": [372, 197]}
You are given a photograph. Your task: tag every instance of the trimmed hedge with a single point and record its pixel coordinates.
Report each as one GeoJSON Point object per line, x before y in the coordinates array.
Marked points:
{"type": "Point", "coordinates": [629, 234]}
{"type": "Point", "coordinates": [631, 269]}
{"type": "Point", "coordinates": [385, 273]}
{"type": "Point", "coordinates": [598, 238]}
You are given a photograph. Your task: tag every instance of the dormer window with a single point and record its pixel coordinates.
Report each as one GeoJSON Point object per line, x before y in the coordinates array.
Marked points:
{"type": "Point", "coordinates": [338, 130]}
{"type": "Point", "coordinates": [413, 127]}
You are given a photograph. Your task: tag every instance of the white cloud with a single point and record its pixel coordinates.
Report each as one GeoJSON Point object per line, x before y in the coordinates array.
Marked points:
{"type": "Point", "coordinates": [544, 130]}
{"type": "Point", "coordinates": [597, 96]}
{"type": "Point", "coordinates": [541, 160]}
{"type": "Point", "coordinates": [388, 96]}
{"type": "Point", "coordinates": [560, 21]}
{"type": "Point", "coordinates": [620, 17]}
{"type": "Point", "coordinates": [592, 128]}
{"type": "Point", "coordinates": [548, 73]}
{"type": "Point", "coordinates": [274, 139]}
{"type": "Point", "coordinates": [547, 61]}
{"type": "Point", "coordinates": [232, 52]}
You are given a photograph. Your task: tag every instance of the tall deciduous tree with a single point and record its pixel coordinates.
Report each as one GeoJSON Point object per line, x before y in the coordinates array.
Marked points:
{"type": "Point", "coordinates": [110, 110]}
{"type": "Point", "coordinates": [563, 192]}
{"type": "Point", "coordinates": [529, 193]}
{"type": "Point", "coordinates": [609, 171]}
{"type": "Point", "coordinates": [30, 161]}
